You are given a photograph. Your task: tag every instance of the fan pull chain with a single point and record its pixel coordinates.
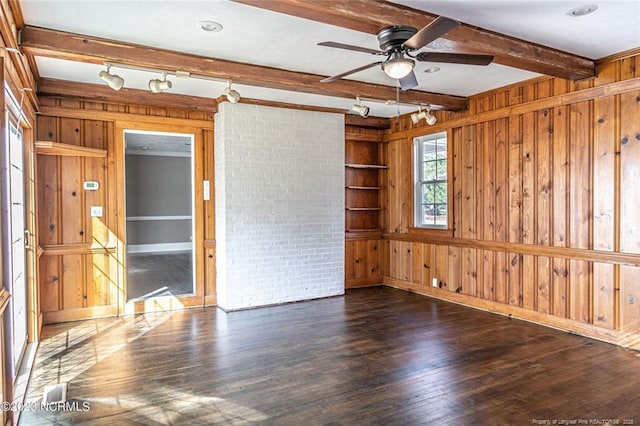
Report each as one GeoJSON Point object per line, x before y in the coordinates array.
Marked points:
{"type": "Point", "coordinates": [397, 102]}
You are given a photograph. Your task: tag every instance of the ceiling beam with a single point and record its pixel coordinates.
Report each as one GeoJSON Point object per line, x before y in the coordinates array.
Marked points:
{"type": "Point", "coordinates": [83, 48]}
{"type": "Point", "coordinates": [370, 16]}
{"type": "Point", "coordinates": [102, 93]}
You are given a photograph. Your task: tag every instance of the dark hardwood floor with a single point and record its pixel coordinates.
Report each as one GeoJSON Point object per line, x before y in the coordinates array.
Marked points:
{"type": "Point", "coordinates": [375, 356]}
{"type": "Point", "coordinates": [159, 274]}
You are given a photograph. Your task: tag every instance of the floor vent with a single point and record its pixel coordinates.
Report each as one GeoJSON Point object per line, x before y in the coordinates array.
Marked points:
{"type": "Point", "coordinates": [54, 393]}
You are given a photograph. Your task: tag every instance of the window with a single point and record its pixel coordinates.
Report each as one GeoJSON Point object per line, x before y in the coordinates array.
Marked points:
{"type": "Point", "coordinates": [431, 195]}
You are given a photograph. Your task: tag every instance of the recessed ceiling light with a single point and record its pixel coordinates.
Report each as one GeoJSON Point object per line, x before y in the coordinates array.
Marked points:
{"type": "Point", "coordinates": [209, 26]}
{"type": "Point", "coordinates": [437, 45]}
{"type": "Point", "coordinates": [431, 70]}
{"type": "Point", "coordinates": [582, 10]}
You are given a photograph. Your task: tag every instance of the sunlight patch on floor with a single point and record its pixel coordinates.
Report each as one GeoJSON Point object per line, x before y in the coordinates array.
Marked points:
{"type": "Point", "coordinates": [71, 353]}
{"type": "Point", "coordinates": [177, 407]}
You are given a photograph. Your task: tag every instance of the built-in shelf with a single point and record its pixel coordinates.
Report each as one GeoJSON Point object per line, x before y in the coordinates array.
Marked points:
{"type": "Point", "coordinates": [366, 166]}
{"type": "Point", "coordinates": [363, 187]}
{"type": "Point", "coordinates": [364, 177]}
{"type": "Point", "coordinates": [363, 234]}
{"type": "Point", "coordinates": [146, 218]}
{"type": "Point", "coordinates": [65, 149]}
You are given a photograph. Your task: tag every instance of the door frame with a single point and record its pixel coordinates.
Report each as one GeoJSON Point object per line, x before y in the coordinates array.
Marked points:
{"type": "Point", "coordinates": [160, 303]}
{"type": "Point", "coordinates": [13, 121]}
{"type": "Point", "coordinates": [12, 106]}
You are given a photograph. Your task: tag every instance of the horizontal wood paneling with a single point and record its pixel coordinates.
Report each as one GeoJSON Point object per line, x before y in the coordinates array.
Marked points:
{"type": "Point", "coordinates": [545, 207]}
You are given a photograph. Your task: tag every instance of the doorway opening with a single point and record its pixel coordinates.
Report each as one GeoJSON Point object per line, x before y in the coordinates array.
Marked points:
{"type": "Point", "coordinates": [159, 176]}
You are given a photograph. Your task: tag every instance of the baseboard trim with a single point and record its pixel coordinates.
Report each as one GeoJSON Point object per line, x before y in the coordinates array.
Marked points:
{"type": "Point", "coordinates": [158, 248]}
{"type": "Point", "coordinates": [362, 282]}
{"type": "Point", "coordinates": [616, 337]}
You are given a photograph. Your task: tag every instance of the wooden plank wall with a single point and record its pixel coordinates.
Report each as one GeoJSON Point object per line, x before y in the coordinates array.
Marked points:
{"type": "Point", "coordinates": [78, 265]}
{"type": "Point", "coordinates": [64, 219]}
{"type": "Point", "coordinates": [545, 202]}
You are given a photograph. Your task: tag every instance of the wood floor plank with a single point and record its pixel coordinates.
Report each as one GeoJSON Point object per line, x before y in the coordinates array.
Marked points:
{"type": "Point", "coordinates": [375, 356]}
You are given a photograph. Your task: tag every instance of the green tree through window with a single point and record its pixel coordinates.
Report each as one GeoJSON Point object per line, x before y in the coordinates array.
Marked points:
{"type": "Point", "coordinates": [431, 193]}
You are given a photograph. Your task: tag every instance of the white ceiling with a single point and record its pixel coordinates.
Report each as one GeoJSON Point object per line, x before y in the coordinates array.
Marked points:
{"type": "Point", "coordinates": [267, 38]}
{"type": "Point", "coordinates": [156, 142]}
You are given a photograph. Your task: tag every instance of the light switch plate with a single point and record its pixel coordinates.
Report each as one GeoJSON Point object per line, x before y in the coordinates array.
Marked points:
{"type": "Point", "coordinates": [96, 211]}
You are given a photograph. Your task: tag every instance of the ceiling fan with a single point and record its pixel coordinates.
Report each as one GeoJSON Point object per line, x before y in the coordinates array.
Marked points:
{"type": "Point", "coordinates": [396, 43]}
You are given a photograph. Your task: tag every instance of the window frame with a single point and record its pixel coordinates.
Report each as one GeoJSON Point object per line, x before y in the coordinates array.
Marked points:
{"type": "Point", "coordinates": [430, 229]}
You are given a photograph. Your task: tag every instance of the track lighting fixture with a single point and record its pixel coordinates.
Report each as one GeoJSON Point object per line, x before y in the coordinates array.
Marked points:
{"type": "Point", "coordinates": [426, 114]}
{"type": "Point", "coordinates": [158, 86]}
{"type": "Point", "coordinates": [114, 81]}
{"type": "Point", "coordinates": [232, 95]}
{"type": "Point", "coordinates": [363, 110]}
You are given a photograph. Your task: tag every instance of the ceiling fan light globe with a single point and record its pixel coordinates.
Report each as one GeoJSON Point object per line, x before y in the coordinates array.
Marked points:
{"type": "Point", "coordinates": [398, 67]}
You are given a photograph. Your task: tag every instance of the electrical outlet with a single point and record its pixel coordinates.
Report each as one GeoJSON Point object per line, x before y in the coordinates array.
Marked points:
{"type": "Point", "coordinates": [435, 282]}
{"type": "Point", "coordinates": [96, 211]}
{"type": "Point", "coordinates": [206, 190]}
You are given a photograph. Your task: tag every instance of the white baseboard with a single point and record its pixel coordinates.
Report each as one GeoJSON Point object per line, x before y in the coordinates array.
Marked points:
{"type": "Point", "coordinates": [155, 248]}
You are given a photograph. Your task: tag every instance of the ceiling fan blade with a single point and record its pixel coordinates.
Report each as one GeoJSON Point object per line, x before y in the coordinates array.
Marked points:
{"type": "Point", "coordinates": [409, 81]}
{"type": "Point", "coordinates": [454, 58]}
{"type": "Point", "coordinates": [346, 73]}
{"type": "Point", "coordinates": [351, 47]}
{"type": "Point", "coordinates": [436, 29]}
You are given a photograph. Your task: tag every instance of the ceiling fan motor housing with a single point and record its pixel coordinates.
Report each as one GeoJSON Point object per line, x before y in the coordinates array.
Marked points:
{"type": "Point", "coordinates": [391, 38]}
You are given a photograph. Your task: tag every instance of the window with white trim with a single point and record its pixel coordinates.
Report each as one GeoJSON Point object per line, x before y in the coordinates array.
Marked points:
{"type": "Point", "coordinates": [430, 188]}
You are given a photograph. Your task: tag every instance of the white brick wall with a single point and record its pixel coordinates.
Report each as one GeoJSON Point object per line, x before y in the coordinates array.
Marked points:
{"type": "Point", "coordinates": [279, 185]}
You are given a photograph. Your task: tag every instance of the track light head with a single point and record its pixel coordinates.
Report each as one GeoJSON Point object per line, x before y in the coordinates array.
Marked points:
{"type": "Point", "coordinates": [158, 86]}
{"type": "Point", "coordinates": [429, 118]}
{"type": "Point", "coordinates": [416, 116]}
{"type": "Point", "coordinates": [114, 81]}
{"type": "Point", "coordinates": [232, 95]}
{"type": "Point", "coordinates": [363, 110]}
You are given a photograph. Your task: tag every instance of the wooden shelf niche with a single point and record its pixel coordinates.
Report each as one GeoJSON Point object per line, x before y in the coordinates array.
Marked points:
{"type": "Point", "coordinates": [363, 177]}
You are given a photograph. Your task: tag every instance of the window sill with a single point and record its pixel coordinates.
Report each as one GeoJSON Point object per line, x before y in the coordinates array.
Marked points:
{"type": "Point", "coordinates": [435, 232]}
